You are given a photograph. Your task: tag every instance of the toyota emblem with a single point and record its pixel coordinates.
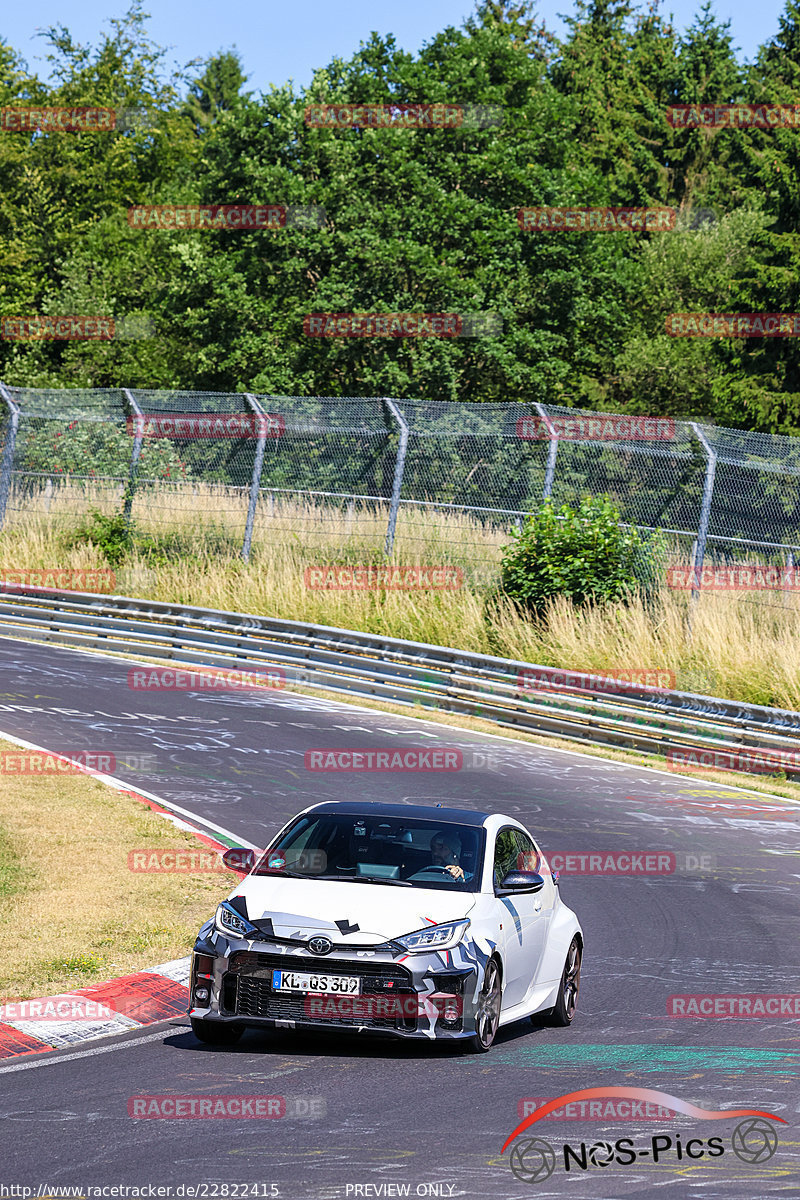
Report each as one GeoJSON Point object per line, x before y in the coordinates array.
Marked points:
{"type": "Point", "coordinates": [320, 945]}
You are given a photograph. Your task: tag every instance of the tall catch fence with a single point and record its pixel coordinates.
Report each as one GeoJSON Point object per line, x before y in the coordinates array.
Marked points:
{"type": "Point", "coordinates": [378, 475]}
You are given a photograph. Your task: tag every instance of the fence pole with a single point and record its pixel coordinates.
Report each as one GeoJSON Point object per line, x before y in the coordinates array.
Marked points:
{"type": "Point", "coordinates": [789, 577]}
{"type": "Point", "coordinates": [552, 451]}
{"type": "Point", "coordinates": [705, 513]}
{"type": "Point", "coordinates": [138, 416]}
{"type": "Point", "coordinates": [7, 465]}
{"type": "Point", "coordinates": [258, 466]}
{"type": "Point", "coordinates": [399, 468]}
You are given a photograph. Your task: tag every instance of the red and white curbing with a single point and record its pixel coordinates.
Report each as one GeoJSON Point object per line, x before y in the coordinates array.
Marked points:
{"type": "Point", "coordinates": [102, 1009]}
{"type": "Point", "coordinates": [156, 994]}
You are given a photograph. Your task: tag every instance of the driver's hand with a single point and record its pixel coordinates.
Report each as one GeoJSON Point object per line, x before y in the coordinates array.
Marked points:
{"type": "Point", "coordinates": [455, 871]}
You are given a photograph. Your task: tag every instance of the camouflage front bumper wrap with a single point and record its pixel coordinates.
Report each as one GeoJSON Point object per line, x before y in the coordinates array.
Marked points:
{"type": "Point", "coordinates": [435, 984]}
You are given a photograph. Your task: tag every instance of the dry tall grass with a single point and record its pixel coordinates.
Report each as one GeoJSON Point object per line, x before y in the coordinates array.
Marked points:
{"type": "Point", "coordinates": [745, 646]}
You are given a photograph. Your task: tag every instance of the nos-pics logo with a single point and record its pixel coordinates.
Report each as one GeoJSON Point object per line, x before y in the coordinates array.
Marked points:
{"type": "Point", "coordinates": [754, 1140]}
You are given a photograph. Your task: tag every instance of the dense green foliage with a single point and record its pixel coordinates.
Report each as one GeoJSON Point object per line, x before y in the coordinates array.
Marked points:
{"type": "Point", "coordinates": [111, 535]}
{"type": "Point", "coordinates": [583, 553]}
{"type": "Point", "coordinates": [419, 220]}
{"type": "Point", "coordinates": [94, 449]}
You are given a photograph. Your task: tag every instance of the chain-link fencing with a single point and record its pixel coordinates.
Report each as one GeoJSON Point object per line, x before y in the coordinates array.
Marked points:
{"type": "Point", "coordinates": [371, 475]}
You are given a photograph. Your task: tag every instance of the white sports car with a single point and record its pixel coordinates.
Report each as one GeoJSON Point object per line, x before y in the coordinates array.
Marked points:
{"type": "Point", "coordinates": [397, 919]}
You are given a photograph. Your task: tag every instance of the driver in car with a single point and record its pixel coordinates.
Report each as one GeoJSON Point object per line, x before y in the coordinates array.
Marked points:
{"type": "Point", "coordinates": [446, 851]}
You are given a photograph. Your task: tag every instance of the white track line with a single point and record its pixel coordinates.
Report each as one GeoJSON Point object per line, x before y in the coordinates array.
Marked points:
{"type": "Point", "coordinates": [49, 1062]}
{"type": "Point", "coordinates": [122, 786]}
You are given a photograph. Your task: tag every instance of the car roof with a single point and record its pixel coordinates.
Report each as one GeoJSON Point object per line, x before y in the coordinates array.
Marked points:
{"type": "Point", "coordinates": [423, 812]}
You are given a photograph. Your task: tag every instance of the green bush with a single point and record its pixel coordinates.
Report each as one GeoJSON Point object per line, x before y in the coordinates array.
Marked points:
{"type": "Point", "coordinates": [111, 535]}
{"type": "Point", "coordinates": [581, 553]}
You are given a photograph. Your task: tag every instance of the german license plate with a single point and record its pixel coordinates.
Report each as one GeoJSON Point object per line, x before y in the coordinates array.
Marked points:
{"type": "Point", "coordinates": [299, 981]}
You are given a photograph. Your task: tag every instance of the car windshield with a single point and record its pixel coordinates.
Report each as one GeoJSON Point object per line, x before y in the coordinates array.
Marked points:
{"type": "Point", "coordinates": [395, 851]}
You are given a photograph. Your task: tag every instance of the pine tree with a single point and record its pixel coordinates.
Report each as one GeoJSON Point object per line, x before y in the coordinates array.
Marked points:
{"type": "Point", "coordinates": [217, 90]}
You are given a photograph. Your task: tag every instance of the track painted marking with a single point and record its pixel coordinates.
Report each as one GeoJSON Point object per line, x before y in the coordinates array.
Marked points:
{"type": "Point", "coordinates": [49, 1062]}
{"type": "Point", "coordinates": [121, 785]}
{"type": "Point", "coordinates": [346, 706]}
{"type": "Point", "coordinates": [653, 1057]}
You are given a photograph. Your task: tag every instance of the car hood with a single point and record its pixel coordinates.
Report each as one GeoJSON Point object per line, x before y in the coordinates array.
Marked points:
{"type": "Point", "coordinates": [346, 911]}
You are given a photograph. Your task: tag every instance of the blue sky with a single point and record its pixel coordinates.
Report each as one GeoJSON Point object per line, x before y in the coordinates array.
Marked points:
{"type": "Point", "coordinates": [282, 41]}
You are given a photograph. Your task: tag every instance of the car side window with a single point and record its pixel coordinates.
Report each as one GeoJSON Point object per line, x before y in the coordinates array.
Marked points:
{"type": "Point", "coordinates": [505, 854]}
{"type": "Point", "coordinates": [527, 854]}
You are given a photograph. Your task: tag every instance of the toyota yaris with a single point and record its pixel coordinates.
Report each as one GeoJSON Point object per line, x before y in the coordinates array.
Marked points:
{"type": "Point", "coordinates": [402, 920]}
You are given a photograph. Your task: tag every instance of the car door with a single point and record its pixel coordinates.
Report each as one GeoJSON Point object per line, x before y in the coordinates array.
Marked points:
{"type": "Point", "coordinates": [525, 917]}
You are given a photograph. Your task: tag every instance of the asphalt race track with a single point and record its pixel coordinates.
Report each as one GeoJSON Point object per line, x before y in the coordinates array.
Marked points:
{"type": "Point", "coordinates": [369, 1118]}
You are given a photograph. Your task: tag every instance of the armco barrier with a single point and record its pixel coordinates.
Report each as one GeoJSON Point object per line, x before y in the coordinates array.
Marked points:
{"type": "Point", "coordinates": [360, 664]}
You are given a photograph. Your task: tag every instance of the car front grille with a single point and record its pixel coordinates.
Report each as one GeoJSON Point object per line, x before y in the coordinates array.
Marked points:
{"type": "Point", "coordinates": [247, 989]}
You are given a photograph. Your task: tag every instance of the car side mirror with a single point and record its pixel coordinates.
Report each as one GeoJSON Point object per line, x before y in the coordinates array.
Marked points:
{"type": "Point", "coordinates": [239, 860]}
{"type": "Point", "coordinates": [521, 881]}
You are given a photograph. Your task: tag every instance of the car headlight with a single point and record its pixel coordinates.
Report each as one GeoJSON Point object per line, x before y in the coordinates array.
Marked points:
{"type": "Point", "coordinates": [434, 937]}
{"type": "Point", "coordinates": [228, 920]}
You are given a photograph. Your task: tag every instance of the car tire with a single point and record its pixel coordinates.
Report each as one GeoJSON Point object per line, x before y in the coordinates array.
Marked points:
{"type": "Point", "coordinates": [487, 1018]}
{"type": "Point", "coordinates": [216, 1033]}
{"type": "Point", "coordinates": [566, 1005]}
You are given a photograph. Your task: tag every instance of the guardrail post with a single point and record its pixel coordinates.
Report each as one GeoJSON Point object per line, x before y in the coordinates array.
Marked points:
{"type": "Point", "coordinates": [138, 437]}
{"type": "Point", "coordinates": [7, 465]}
{"type": "Point", "coordinates": [399, 468]}
{"type": "Point", "coordinates": [705, 509]}
{"type": "Point", "coordinates": [552, 451]}
{"type": "Point", "coordinates": [258, 466]}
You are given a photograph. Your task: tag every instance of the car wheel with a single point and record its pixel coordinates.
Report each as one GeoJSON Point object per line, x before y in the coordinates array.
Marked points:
{"type": "Point", "coordinates": [216, 1033]}
{"type": "Point", "coordinates": [567, 1002]}
{"type": "Point", "coordinates": [487, 1017]}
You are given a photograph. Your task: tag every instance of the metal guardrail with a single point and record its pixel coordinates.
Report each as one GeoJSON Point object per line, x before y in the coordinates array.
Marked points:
{"type": "Point", "coordinates": [413, 673]}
